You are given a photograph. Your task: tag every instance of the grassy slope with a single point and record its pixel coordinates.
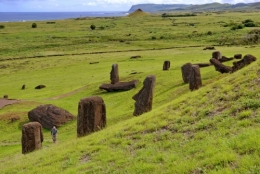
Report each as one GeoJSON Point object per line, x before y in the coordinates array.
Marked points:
{"type": "Point", "coordinates": [213, 129]}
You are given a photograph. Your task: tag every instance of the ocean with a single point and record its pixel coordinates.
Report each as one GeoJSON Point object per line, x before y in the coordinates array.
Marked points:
{"type": "Point", "coordinates": [44, 16]}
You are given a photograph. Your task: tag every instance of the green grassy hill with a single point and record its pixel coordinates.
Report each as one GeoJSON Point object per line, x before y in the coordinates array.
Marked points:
{"type": "Point", "coordinates": [212, 130]}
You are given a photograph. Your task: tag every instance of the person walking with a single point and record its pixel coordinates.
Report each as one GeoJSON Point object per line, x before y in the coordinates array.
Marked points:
{"type": "Point", "coordinates": [54, 132]}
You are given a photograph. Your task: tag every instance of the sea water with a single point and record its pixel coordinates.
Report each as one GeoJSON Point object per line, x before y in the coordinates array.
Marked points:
{"type": "Point", "coordinates": [43, 16]}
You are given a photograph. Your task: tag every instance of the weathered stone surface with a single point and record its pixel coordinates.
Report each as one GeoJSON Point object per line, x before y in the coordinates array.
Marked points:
{"type": "Point", "coordinates": [185, 69]}
{"type": "Point", "coordinates": [220, 67]}
{"type": "Point", "coordinates": [114, 74]}
{"type": "Point", "coordinates": [238, 56]}
{"type": "Point", "coordinates": [202, 65]}
{"type": "Point", "coordinates": [195, 81]}
{"type": "Point", "coordinates": [91, 115]}
{"type": "Point", "coordinates": [120, 86]}
{"type": "Point", "coordinates": [144, 98]}
{"type": "Point", "coordinates": [247, 59]}
{"type": "Point", "coordinates": [216, 55]}
{"type": "Point", "coordinates": [166, 65]}
{"type": "Point", "coordinates": [40, 86]}
{"type": "Point", "coordinates": [225, 59]}
{"type": "Point", "coordinates": [5, 96]}
{"type": "Point", "coordinates": [32, 137]}
{"type": "Point", "coordinates": [23, 87]}
{"type": "Point", "coordinates": [49, 115]}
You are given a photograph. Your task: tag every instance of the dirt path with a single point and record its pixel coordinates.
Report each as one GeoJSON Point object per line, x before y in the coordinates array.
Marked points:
{"type": "Point", "coordinates": [4, 102]}
{"type": "Point", "coordinates": [68, 94]}
{"type": "Point", "coordinates": [100, 52]}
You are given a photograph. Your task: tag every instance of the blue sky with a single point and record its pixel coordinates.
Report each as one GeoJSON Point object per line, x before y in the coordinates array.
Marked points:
{"type": "Point", "coordinates": [92, 5]}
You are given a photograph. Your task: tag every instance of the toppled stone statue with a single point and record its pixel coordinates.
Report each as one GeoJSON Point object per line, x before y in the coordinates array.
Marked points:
{"type": "Point", "coordinates": [220, 67]}
{"type": "Point", "coordinates": [49, 115]}
{"type": "Point", "coordinates": [32, 137]}
{"type": "Point", "coordinates": [91, 115]}
{"type": "Point", "coordinates": [120, 86]}
{"type": "Point", "coordinates": [247, 59]}
{"type": "Point", "coordinates": [144, 98]}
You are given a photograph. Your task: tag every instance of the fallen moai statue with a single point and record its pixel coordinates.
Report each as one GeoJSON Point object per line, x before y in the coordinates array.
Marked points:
{"type": "Point", "coordinates": [144, 98]}
{"type": "Point", "coordinates": [32, 137]}
{"type": "Point", "coordinates": [202, 65]}
{"type": "Point", "coordinates": [40, 86]}
{"type": "Point", "coordinates": [219, 66]}
{"type": "Point", "coordinates": [238, 56]}
{"type": "Point", "coordinates": [115, 84]}
{"type": "Point", "coordinates": [120, 86]}
{"type": "Point", "coordinates": [195, 81]}
{"type": "Point", "coordinates": [49, 115]}
{"type": "Point", "coordinates": [185, 70]}
{"type": "Point", "coordinates": [91, 115]}
{"type": "Point", "coordinates": [247, 59]}
{"type": "Point", "coordinates": [225, 59]}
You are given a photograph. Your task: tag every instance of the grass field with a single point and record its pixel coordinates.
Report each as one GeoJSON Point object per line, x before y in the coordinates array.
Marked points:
{"type": "Point", "coordinates": [212, 130]}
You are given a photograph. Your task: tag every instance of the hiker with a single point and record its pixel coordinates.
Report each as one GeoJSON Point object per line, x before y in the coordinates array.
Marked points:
{"type": "Point", "coordinates": [54, 132]}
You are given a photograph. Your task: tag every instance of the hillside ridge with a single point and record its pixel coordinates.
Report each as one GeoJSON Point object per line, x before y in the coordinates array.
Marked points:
{"type": "Point", "coordinates": [215, 6]}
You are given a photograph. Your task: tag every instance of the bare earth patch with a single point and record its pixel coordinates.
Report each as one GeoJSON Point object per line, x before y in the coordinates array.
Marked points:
{"type": "Point", "coordinates": [4, 102]}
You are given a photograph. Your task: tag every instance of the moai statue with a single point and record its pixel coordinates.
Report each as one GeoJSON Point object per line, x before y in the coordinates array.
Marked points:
{"type": "Point", "coordinates": [216, 55]}
{"type": "Point", "coordinates": [219, 66]}
{"type": "Point", "coordinates": [195, 78]}
{"type": "Point", "coordinates": [32, 137]}
{"type": "Point", "coordinates": [114, 74]}
{"type": "Point", "coordinates": [23, 87]}
{"type": "Point", "coordinates": [166, 65]}
{"type": "Point", "coordinates": [185, 69]}
{"type": "Point", "coordinates": [91, 115]}
{"type": "Point", "coordinates": [238, 56]}
{"type": "Point", "coordinates": [144, 98]}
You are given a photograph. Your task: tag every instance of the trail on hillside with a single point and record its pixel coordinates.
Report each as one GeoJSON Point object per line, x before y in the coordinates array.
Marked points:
{"type": "Point", "coordinates": [4, 102]}
{"type": "Point", "coordinates": [99, 52]}
{"type": "Point", "coordinates": [67, 94]}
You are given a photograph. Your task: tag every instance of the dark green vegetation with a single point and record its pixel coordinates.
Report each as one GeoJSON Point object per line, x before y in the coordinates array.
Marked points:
{"type": "Point", "coordinates": [212, 130]}
{"type": "Point", "coordinates": [34, 25]}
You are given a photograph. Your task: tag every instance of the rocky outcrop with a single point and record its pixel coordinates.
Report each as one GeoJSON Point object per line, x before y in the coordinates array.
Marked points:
{"type": "Point", "coordinates": [144, 98]}
{"type": "Point", "coordinates": [32, 137]}
{"type": "Point", "coordinates": [166, 65]}
{"type": "Point", "coordinates": [220, 67]}
{"type": "Point", "coordinates": [50, 115]}
{"type": "Point", "coordinates": [120, 86]}
{"type": "Point", "coordinates": [91, 115]}
{"type": "Point", "coordinates": [195, 81]}
{"type": "Point", "coordinates": [185, 69]}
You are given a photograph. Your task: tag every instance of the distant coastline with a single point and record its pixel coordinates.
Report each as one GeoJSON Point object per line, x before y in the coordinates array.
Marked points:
{"type": "Point", "coordinates": [43, 16]}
